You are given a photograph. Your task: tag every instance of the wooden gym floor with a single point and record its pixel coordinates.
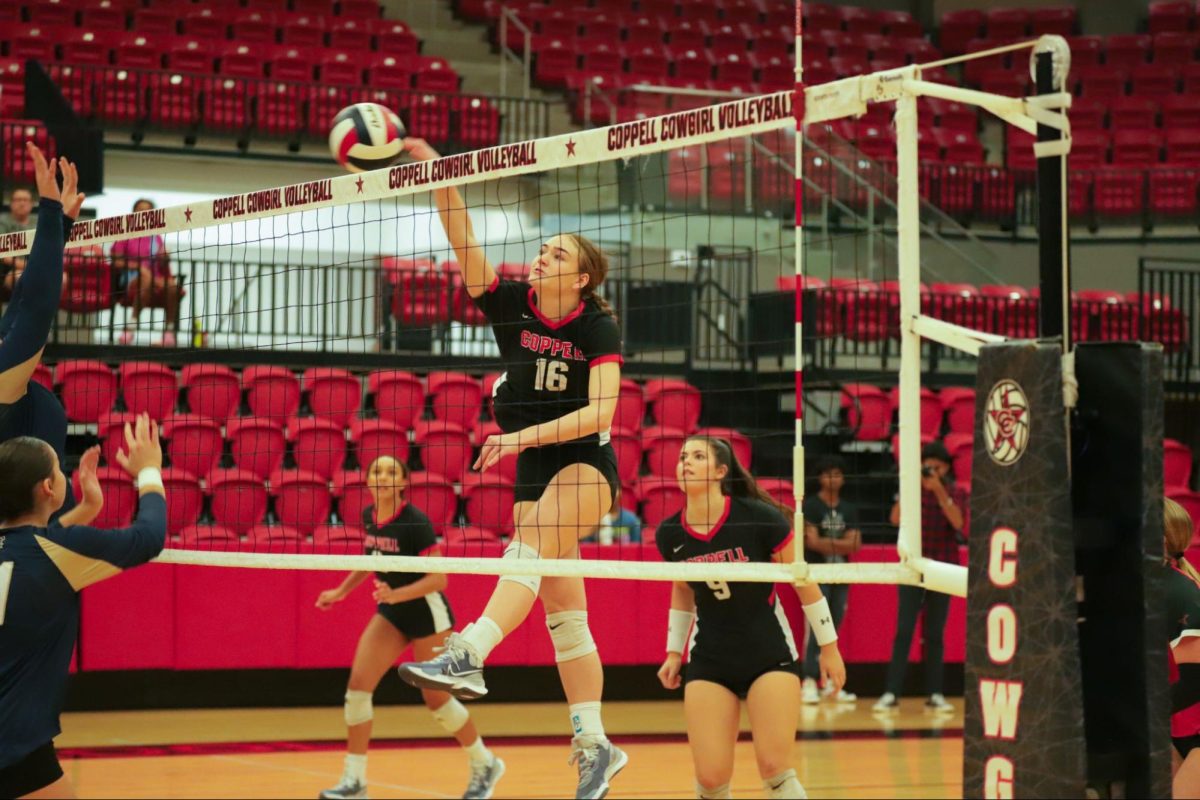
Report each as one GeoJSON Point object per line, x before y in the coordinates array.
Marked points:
{"type": "Point", "coordinates": [843, 752]}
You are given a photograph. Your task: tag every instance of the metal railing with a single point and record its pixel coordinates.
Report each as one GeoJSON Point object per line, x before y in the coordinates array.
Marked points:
{"type": "Point", "coordinates": [194, 104]}
{"type": "Point", "coordinates": [1169, 312]}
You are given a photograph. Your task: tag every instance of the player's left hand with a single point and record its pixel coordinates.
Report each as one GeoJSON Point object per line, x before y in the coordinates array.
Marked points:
{"type": "Point", "coordinates": [89, 484]}
{"type": "Point", "coordinates": [496, 447]}
{"type": "Point", "coordinates": [386, 594]}
{"type": "Point", "coordinates": [72, 198]}
{"type": "Point", "coordinates": [833, 669]}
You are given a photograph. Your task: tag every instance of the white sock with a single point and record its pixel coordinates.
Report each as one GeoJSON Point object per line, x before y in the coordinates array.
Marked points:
{"type": "Point", "coordinates": [483, 635]}
{"type": "Point", "coordinates": [477, 752]}
{"type": "Point", "coordinates": [356, 767]}
{"type": "Point", "coordinates": [719, 793]}
{"type": "Point", "coordinates": [785, 786]}
{"type": "Point", "coordinates": [585, 720]}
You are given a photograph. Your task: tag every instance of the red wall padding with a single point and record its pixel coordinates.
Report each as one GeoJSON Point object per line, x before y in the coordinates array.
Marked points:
{"type": "Point", "coordinates": [162, 616]}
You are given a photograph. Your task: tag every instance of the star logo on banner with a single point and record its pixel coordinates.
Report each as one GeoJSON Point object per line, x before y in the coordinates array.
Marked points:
{"type": "Point", "coordinates": [570, 147]}
{"type": "Point", "coordinates": [359, 184]}
{"type": "Point", "coordinates": [187, 213]}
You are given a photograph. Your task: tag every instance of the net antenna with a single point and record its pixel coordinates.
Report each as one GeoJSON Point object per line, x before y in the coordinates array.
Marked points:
{"type": "Point", "coordinates": [850, 97]}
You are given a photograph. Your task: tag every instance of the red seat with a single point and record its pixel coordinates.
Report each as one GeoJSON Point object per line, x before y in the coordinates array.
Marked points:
{"type": "Point", "coordinates": [88, 389]}
{"type": "Point", "coordinates": [396, 38]}
{"type": "Point", "coordinates": [185, 499]}
{"type": "Point", "coordinates": [1086, 51]}
{"type": "Point", "coordinates": [175, 100]}
{"type": "Point", "coordinates": [399, 396]}
{"type": "Point", "coordinates": [740, 442]}
{"type": "Point", "coordinates": [660, 498]}
{"type": "Point", "coordinates": [662, 445]}
{"type": "Point", "coordinates": [1102, 83]}
{"type": "Point", "coordinates": [1174, 48]}
{"type": "Point", "coordinates": [627, 445]}
{"type": "Point", "coordinates": [34, 43]}
{"type": "Point", "coordinates": [318, 445]}
{"type": "Point", "coordinates": [1177, 463]}
{"type": "Point", "coordinates": [360, 8]}
{"type": "Point", "coordinates": [556, 59]}
{"type": "Point", "coordinates": [390, 72]}
{"type": "Point", "coordinates": [445, 448]}
{"type": "Point", "coordinates": [488, 501]}
{"type": "Point", "coordinates": [292, 63]}
{"type": "Point", "coordinates": [212, 390]}
{"type": "Point", "coordinates": [341, 67]}
{"type": "Point", "coordinates": [87, 280]}
{"type": "Point", "coordinates": [51, 13]}
{"type": "Point", "coordinates": [644, 31]}
{"type": "Point", "coordinates": [304, 30]}
{"type": "Point", "coordinates": [781, 489]}
{"type": "Point", "coordinates": [960, 409]}
{"type": "Point", "coordinates": [1014, 312]}
{"type": "Point", "coordinates": [631, 406]}
{"type": "Point", "coordinates": [957, 28]}
{"type": "Point", "coordinates": [868, 411]}
{"type": "Point", "coordinates": [111, 430]}
{"type": "Point", "coordinates": [1169, 15]}
{"type": "Point", "coordinates": [155, 21]}
{"type": "Point", "coordinates": [324, 102]}
{"type": "Point", "coordinates": [1180, 111]}
{"type": "Point", "coordinates": [429, 116]}
{"type": "Point", "coordinates": [339, 538]}
{"type": "Point", "coordinates": [1136, 148]}
{"type": "Point", "coordinates": [150, 388]}
{"type": "Point", "coordinates": [333, 394]}
{"type": "Point", "coordinates": [1173, 190]}
{"type": "Point", "coordinates": [674, 403]}
{"type": "Point", "coordinates": [1126, 50]}
{"type": "Point", "coordinates": [1154, 80]}
{"type": "Point", "coordinates": [258, 445]}
{"type": "Point", "coordinates": [373, 438]}
{"type": "Point", "coordinates": [275, 539]}
{"type": "Point", "coordinates": [931, 409]}
{"type": "Point", "coordinates": [239, 498]}
{"type": "Point", "coordinates": [272, 392]}
{"type": "Point", "coordinates": [422, 297]}
{"type": "Point", "coordinates": [1132, 111]}
{"type": "Point", "coordinates": [255, 25]}
{"type": "Point", "coordinates": [82, 46]}
{"type": "Point", "coordinates": [352, 495]}
{"type": "Point", "coordinates": [1120, 192]}
{"type": "Point", "coordinates": [302, 498]}
{"type": "Point", "coordinates": [962, 448]}
{"type": "Point", "coordinates": [433, 495]}
{"type": "Point", "coordinates": [1007, 23]}
{"type": "Point", "coordinates": [120, 497]}
{"type": "Point", "coordinates": [456, 398]}
{"type": "Point", "coordinates": [478, 126]}
{"type": "Point", "coordinates": [190, 54]}
{"type": "Point", "coordinates": [1057, 21]}
{"type": "Point", "coordinates": [194, 443]}
{"type": "Point", "coordinates": [241, 60]}
{"type": "Point", "coordinates": [208, 537]}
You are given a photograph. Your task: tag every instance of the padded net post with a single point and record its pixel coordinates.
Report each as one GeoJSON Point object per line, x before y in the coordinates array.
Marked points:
{"type": "Point", "coordinates": [1051, 63]}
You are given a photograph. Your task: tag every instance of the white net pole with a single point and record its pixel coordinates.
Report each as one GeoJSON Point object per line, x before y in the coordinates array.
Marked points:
{"type": "Point", "coordinates": [798, 449]}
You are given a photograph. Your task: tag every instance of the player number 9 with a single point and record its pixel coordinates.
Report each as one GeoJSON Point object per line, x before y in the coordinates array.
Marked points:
{"type": "Point", "coordinates": [720, 589]}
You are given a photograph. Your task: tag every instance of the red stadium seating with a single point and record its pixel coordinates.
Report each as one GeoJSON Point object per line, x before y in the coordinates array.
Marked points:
{"type": "Point", "coordinates": [868, 410]}
{"type": "Point", "coordinates": [627, 445]}
{"type": "Point", "coordinates": [302, 499]}
{"type": "Point", "coordinates": [660, 498]}
{"type": "Point", "coordinates": [399, 396]}
{"type": "Point", "coordinates": [931, 409]}
{"type": "Point", "coordinates": [445, 448]}
{"type": "Point", "coordinates": [1007, 23]}
{"type": "Point", "coordinates": [239, 498]}
{"type": "Point", "coordinates": [350, 491]}
{"type": "Point", "coordinates": [960, 409]}
{"type": "Point", "coordinates": [662, 445]}
{"type": "Point", "coordinates": [373, 438]}
{"type": "Point", "coordinates": [433, 495]}
{"type": "Point", "coordinates": [275, 539]}
{"type": "Point", "coordinates": [88, 389]}
{"type": "Point", "coordinates": [212, 390]}
{"type": "Point", "coordinates": [957, 28]}
{"type": "Point", "coordinates": [741, 443]}
{"type": "Point", "coordinates": [1177, 463]}
{"type": "Point", "coordinates": [149, 388]}
{"type": "Point", "coordinates": [488, 501]}
{"type": "Point", "coordinates": [631, 406]}
{"type": "Point", "coordinates": [258, 445]}
{"type": "Point", "coordinates": [193, 443]}
{"type": "Point", "coordinates": [456, 398]}
{"type": "Point", "coordinates": [271, 392]}
{"type": "Point", "coordinates": [1125, 51]}
{"type": "Point", "coordinates": [1171, 15]}
{"type": "Point", "coordinates": [318, 445]}
{"type": "Point", "coordinates": [674, 403]}
{"type": "Point", "coordinates": [961, 447]}
{"type": "Point", "coordinates": [780, 489]}
{"type": "Point", "coordinates": [185, 499]}
{"type": "Point", "coordinates": [333, 394]}
{"type": "Point", "coordinates": [1174, 48]}
{"type": "Point", "coordinates": [111, 430]}
{"type": "Point", "coordinates": [120, 498]}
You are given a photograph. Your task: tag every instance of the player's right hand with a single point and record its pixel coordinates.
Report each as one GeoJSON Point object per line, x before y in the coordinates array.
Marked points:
{"type": "Point", "coordinates": [46, 172]}
{"type": "Point", "coordinates": [142, 449]}
{"type": "Point", "coordinates": [419, 149]}
{"type": "Point", "coordinates": [327, 598]}
{"type": "Point", "coordinates": [668, 673]}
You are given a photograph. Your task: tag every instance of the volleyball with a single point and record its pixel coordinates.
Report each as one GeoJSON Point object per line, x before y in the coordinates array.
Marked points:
{"type": "Point", "coordinates": [366, 136]}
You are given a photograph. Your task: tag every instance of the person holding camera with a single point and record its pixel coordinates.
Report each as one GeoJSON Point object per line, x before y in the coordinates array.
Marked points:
{"type": "Point", "coordinates": [943, 513]}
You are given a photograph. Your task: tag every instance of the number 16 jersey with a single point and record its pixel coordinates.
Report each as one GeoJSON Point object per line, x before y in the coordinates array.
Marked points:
{"type": "Point", "coordinates": [547, 363]}
{"type": "Point", "coordinates": [739, 623]}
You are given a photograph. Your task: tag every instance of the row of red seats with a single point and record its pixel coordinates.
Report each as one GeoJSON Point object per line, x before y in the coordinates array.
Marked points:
{"type": "Point", "coordinates": [113, 14]}
{"type": "Point", "coordinates": [711, 12]}
{"type": "Point", "coordinates": [1171, 15]}
{"type": "Point", "coordinates": [1172, 113]}
{"type": "Point", "coordinates": [15, 164]}
{"type": "Point", "coordinates": [958, 28]}
{"type": "Point", "coordinates": [1124, 147]}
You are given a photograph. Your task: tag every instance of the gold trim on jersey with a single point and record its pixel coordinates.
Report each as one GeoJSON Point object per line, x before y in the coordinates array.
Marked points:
{"type": "Point", "coordinates": [80, 571]}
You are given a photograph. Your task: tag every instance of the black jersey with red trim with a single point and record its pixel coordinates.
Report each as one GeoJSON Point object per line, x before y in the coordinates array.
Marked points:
{"type": "Point", "coordinates": [408, 533]}
{"type": "Point", "coordinates": [547, 363]}
{"type": "Point", "coordinates": [739, 622]}
{"type": "Point", "coordinates": [1183, 617]}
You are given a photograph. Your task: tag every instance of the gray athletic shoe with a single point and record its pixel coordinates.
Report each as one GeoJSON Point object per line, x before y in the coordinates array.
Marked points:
{"type": "Point", "coordinates": [347, 789]}
{"type": "Point", "coordinates": [457, 669]}
{"type": "Point", "coordinates": [599, 762]}
{"type": "Point", "coordinates": [484, 778]}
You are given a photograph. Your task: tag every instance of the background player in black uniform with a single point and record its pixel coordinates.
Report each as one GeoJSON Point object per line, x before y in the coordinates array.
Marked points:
{"type": "Point", "coordinates": [26, 407]}
{"type": "Point", "coordinates": [742, 645]}
{"type": "Point", "coordinates": [412, 610]}
{"type": "Point", "coordinates": [1183, 615]}
{"type": "Point", "coordinates": [42, 569]}
{"type": "Point", "coordinates": [561, 349]}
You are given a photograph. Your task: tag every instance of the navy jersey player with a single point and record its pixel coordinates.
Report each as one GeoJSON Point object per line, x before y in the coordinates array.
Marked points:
{"type": "Point", "coordinates": [1183, 616]}
{"type": "Point", "coordinates": [42, 569]}
{"type": "Point", "coordinates": [741, 647]}
{"type": "Point", "coordinates": [561, 349]}
{"type": "Point", "coordinates": [411, 610]}
{"type": "Point", "coordinates": [26, 407]}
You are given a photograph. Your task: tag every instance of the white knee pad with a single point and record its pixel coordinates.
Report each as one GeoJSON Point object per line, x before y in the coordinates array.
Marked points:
{"type": "Point", "coordinates": [571, 636]}
{"type": "Point", "coordinates": [358, 707]}
{"type": "Point", "coordinates": [452, 716]}
{"type": "Point", "coordinates": [785, 786]}
{"type": "Point", "coordinates": [718, 793]}
{"type": "Point", "coordinates": [517, 549]}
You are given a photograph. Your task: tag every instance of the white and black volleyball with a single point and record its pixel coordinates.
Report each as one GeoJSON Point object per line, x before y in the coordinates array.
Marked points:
{"type": "Point", "coordinates": [366, 136]}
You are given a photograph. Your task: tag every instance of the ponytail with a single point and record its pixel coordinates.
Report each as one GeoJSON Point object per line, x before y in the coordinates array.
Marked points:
{"type": "Point", "coordinates": [593, 263]}
{"type": "Point", "coordinates": [738, 482]}
{"type": "Point", "coordinates": [1177, 535]}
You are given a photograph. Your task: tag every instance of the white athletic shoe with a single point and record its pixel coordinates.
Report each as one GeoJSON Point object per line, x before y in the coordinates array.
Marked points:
{"type": "Point", "coordinates": [484, 778]}
{"type": "Point", "coordinates": [937, 702]}
{"type": "Point", "coordinates": [598, 762]}
{"type": "Point", "coordinates": [347, 789]}
{"type": "Point", "coordinates": [841, 696]}
{"type": "Point", "coordinates": [887, 702]}
{"type": "Point", "coordinates": [808, 692]}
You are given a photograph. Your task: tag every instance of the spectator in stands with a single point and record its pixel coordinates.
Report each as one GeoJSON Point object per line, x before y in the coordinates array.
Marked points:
{"type": "Point", "coordinates": [943, 512]}
{"type": "Point", "coordinates": [18, 218]}
{"type": "Point", "coordinates": [831, 534]}
{"type": "Point", "coordinates": [145, 266]}
{"type": "Point", "coordinates": [619, 525]}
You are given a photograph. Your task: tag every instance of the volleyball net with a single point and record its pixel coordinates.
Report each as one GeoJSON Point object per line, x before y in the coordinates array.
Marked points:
{"type": "Point", "coordinates": [697, 209]}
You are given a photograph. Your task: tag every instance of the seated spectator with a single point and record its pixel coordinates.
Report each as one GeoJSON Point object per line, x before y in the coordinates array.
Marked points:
{"type": "Point", "coordinates": [619, 525]}
{"type": "Point", "coordinates": [18, 218]}
{"type": "Point", "coordinates": [144, 266]}
{"type": "Point", "coordinates": [831, 535]}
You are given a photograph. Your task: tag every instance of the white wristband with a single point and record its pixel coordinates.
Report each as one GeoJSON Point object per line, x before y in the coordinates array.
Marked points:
{"type": "Point", "coordinates": [821, 621]}
{"type": "Point", "coordinates": [679, 627]}
{"type": "Point", "coordinates": [149, 477]}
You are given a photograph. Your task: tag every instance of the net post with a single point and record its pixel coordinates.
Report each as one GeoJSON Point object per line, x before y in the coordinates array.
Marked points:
{"type": "Point", "coordinates": [798, 448]}
{"type": "Point", "coordinates": [909, 235]}
{"type": "Point", "coordinates": [1050, 64]}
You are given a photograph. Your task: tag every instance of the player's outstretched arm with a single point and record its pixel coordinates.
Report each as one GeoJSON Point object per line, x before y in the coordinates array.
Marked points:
{"type": "Point", "coordinates": [478, 274]}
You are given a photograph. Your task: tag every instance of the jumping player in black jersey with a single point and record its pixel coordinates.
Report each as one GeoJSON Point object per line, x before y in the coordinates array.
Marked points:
{"type": "Point", "coordinates": [1183, 616]}
{"type": "Point", "coordinates": [561, 348]}
{"type": "Point", "coordinates": [43, 567]}
{"type": "Point", "coordinates": [742, 647]}
{"type": "Point", "coordinates": [26, 407]}
{"type": "Point", "coordinates": [411, 610]}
